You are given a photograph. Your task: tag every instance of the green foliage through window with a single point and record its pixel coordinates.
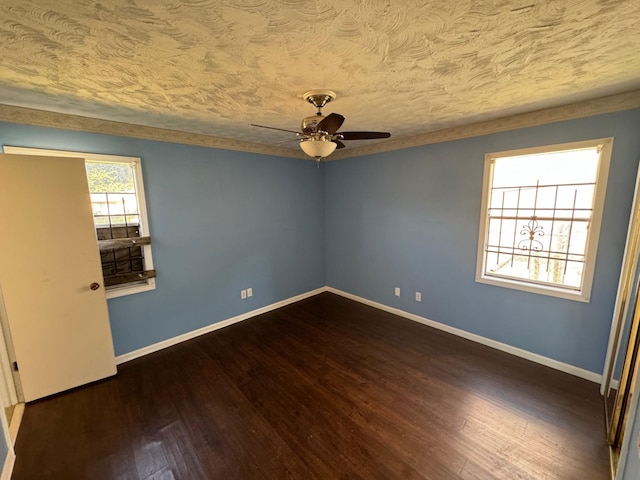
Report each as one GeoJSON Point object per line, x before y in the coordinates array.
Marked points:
{"type": "Point", "coordinates": [110, 177]}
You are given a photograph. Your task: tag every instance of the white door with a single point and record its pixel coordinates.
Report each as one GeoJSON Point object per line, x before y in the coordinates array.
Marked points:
{"type": "Point", "coordinates": [49, 260]}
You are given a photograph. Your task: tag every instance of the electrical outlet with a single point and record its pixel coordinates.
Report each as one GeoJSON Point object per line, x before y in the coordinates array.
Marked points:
{"type": "Point", "coordinates": [418, 296]}
{"type": "Point", "coordinates": [243, 294]}
{"type": "Point", "coordinates": [397, 291]}
{"type": "Point", "coordinates": [249, 292]}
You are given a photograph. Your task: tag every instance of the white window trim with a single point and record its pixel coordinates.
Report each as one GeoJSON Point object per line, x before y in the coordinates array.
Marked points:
{"type": "Point", "coordinates": [583, 294]}
{"type": "Point", "coordinates": [121, 290]}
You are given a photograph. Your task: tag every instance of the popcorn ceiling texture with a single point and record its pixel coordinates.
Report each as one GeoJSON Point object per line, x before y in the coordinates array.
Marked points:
{"type": "Point", "coordinates": [409, 67]}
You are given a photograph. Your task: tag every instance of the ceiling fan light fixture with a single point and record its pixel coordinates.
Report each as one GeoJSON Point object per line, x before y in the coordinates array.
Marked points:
{"type": "Point", "coordinates": [320, 134]}
{"type": "Point", "coordinates": [318, 147]}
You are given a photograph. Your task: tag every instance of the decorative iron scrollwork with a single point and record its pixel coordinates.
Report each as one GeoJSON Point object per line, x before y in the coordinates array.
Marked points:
{"type": "Point", "coordinates": [532, 229]}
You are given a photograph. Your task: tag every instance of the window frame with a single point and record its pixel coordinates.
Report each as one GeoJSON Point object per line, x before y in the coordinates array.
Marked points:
{"type": "Point", "coordinates": [582, 294]}
{"type": "Point", "coordinates": [136, 163]}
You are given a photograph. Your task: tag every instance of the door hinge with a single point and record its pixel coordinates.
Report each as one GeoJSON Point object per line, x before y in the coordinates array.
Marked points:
{"type": "Point", "coordinates": [15, 366]}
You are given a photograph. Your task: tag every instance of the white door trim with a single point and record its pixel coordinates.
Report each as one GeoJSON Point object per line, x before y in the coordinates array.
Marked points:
{"type": "Point", "coordinates": [8, 391]}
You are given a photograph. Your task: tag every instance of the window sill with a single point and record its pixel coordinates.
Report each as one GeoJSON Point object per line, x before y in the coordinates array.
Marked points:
{"type": "Point", "coordinates": [124, 290]}
{"type": "Point", "coordinates": [574, 295]}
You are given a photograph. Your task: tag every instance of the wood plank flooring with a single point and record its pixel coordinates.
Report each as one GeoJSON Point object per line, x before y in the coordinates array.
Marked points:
{"type": "Point", "coordinates": [323, 389]}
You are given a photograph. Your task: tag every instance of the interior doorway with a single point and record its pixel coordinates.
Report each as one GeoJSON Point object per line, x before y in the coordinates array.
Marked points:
{"type": "Point", "coordinates": [621, 362]}
{"type": "Point", "coordinates": [10, 392]}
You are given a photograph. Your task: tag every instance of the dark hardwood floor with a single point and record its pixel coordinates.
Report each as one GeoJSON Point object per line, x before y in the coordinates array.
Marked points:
{"type": "Point", "coordinates": [323, 389]}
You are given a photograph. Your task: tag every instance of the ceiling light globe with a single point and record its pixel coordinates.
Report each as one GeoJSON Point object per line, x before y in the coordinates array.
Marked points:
{"type": "Point", "coordinates": [318, 148]}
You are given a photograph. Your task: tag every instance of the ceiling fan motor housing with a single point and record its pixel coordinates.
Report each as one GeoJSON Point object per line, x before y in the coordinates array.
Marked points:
{"type": "Point", "coordinates": [309, 124]}
{"type": "Point", "coordinates": [317, 98]}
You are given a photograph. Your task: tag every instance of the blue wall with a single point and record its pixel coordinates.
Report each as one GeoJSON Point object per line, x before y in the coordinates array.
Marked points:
{"type": "Point", "coordinates": [410, 219]}
{"type": "Point", "coordinates": [221, 221]}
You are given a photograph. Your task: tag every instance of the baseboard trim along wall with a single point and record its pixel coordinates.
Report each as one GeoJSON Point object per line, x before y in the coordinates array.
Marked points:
{"type": "Point", "coordinates": [9, 462]}
{"type": "Point", "coordinates": [16, 421]}
{"type": "Point", "coordinates": [126, 357]}
{"type": "Point", "coordinates": [518, 352]}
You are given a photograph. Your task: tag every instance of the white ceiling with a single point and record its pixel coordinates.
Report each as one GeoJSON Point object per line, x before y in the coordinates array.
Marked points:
{"type": "Point", "coordinates": [408, 67]}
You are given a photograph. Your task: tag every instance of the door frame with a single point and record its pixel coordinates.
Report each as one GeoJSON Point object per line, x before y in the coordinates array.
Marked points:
{"type": "Point", "coordinates": [8, 391]}
{"type": "Point", "coordinates": [626, 293]}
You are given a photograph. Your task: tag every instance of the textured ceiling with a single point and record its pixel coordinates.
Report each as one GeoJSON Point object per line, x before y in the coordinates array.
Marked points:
{"type": "Point", "coordinates": [408, 67]}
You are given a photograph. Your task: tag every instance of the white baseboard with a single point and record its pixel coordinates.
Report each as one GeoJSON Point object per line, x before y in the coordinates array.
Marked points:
{"type": "Point", "coordinates": [214, 326]}
{"type": "Point", "coordinates": [16, 421]}
{"type": "Point", "coordinates": [518, 352]}
{"type": "Point", "coordinates": [9, 462]}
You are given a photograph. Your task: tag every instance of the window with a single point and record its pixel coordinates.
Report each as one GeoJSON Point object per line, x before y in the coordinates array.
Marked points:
{"type": "Point", "coordinates": [120, 217]}
{"type": "Point", "coordinates": [541, 212]}
{"type": "Point", "coordinates": [120, 222]}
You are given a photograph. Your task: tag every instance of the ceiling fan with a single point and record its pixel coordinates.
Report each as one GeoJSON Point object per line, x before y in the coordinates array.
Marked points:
{"type": "Point", "coordinates": [319, 136]}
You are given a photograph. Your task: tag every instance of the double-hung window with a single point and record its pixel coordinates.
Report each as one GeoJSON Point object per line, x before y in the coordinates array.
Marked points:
{"type": "Point", "coordinates": [120, 218]}
{"type": "Point", "coordinates": [540, 217]}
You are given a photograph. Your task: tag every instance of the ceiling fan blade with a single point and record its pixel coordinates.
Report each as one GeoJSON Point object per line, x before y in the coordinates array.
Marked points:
{"type": "Point", "coordinates": [363, 135]}
{"type": "Point", "coordinates": [339, 144]}
{"type": "Point", "coordinates": [274, 128]}
{"type": "Point", "coordinates": [331, 123]}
